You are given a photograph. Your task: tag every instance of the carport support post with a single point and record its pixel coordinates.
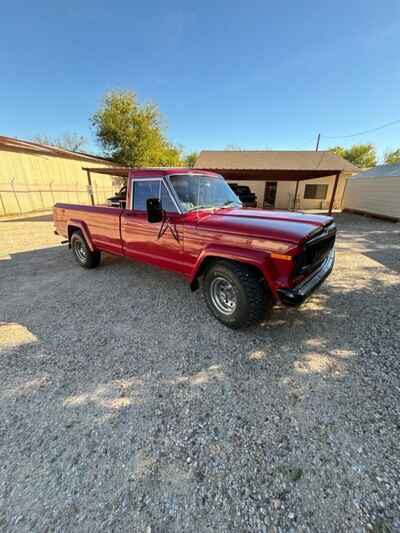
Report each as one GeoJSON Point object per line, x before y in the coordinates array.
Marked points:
{"type": "Point", "coordinates": [2, 205]}
{"type": "Point", "coordinates": [90, 188]}
{"type": "Point", "coordinates": [295, 194]}
{"type": "Point", "coordinates": [334, 192]}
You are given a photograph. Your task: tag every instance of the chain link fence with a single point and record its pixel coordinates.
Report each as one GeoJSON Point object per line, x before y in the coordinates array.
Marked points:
{"type": "Point", "coordinates": [17, 199]}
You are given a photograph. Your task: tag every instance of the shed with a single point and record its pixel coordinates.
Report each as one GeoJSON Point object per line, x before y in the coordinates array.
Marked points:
{"type": "Point", "coordinates": [301, 179]}
{"type": "Point", "coordinates": [34, 176]}
{"type": "Point", "coordinates": [375, 192]}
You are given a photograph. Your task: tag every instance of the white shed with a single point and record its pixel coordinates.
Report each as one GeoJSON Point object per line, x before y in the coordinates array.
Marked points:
{"type": "Point", "coordinates": [375, 192]}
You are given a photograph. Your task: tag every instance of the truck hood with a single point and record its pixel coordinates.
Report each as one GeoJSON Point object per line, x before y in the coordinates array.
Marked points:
{"type": "Point", "coordinates": [289, 226]}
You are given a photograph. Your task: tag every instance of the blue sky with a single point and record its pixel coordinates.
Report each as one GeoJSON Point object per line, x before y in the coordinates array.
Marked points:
{"type": "Point", "coordinates": [257, 74]}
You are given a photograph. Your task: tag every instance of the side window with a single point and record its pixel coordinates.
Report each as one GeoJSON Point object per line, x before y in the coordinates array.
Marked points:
{"type": "Point", "coordinates": [142, 191]}
{"type": "Point", "coordinates": [315, 192]}
{"type": "Point", "coordinates": [166, 200]}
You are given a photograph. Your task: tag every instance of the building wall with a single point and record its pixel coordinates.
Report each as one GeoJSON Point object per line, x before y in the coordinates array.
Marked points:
{"type": "Point", "coordinates": [375, 195]}
{"type": "Point", "coordinates": [257, 187]}
{"type": "Point", "coordinates": [36, 182]}
{"type": "Point", "coordinates": [286, 190]}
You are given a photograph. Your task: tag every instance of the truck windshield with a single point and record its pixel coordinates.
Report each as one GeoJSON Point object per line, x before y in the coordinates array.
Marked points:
{"type": "Point", "coordinates": [196, 191]}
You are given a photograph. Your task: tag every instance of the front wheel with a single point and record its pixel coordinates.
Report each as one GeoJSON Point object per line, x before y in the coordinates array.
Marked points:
{"type": "Point", "coordinates": [83, 254]}
{"type": "Point", "coordinates": [236, 294]}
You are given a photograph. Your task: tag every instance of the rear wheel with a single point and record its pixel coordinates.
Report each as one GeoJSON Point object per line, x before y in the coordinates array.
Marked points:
{"type": "Point", "coordinates": [83, 254]}
{"type": "Point", "coordinates": [236, 294]}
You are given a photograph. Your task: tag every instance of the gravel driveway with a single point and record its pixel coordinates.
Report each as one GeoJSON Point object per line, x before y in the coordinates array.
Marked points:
{"type": "Point", "coordinates": [125, 407]}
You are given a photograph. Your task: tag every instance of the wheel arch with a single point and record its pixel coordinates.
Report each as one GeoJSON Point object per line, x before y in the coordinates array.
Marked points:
{"type": "Point", "coordinates": [257, 262]}
{"type": "Point", "coordinates": [74, 225]}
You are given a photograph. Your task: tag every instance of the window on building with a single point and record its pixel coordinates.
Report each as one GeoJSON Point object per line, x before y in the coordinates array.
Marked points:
{"type": "Point", "coordinates": [315, 192]}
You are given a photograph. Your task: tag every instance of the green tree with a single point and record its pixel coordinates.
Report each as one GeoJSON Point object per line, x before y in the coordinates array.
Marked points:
{"type": "Point", "coordinates": [68, 141]}
{"type": "Point", "coordinates": [133, 134]}
{"type": "Point", "coordinates": [361, 155]}
{"type": "Point", "coordinates": [190, 159]}
{"type": "Point", "coordinates": [339, 150]}
{"type": "Point", "coordinates": [392, 158]}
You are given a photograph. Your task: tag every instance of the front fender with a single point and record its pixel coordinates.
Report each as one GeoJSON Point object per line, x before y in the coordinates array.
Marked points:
{"type": "Point", "coordinates": [84, 229]}
{"type": "Point", "coordinates": [261, 260]}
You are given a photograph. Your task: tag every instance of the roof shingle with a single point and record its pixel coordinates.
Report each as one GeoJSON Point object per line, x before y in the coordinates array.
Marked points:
{"type": "Point", "coordinates": [272, 160]}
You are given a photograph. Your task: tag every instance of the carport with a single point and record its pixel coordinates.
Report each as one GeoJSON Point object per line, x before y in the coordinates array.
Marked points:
{"type": "Point", "coordinates": [121, 172]}
{"type": "Point", "coordinates": [261, 165]}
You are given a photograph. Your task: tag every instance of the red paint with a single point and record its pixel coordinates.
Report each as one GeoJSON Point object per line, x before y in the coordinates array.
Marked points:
{"type": "Point", "coordinates": [239, 234]}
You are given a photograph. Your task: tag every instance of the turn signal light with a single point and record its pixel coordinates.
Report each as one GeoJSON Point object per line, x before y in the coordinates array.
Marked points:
{"type": "Point", "coordinates": [281, 256]}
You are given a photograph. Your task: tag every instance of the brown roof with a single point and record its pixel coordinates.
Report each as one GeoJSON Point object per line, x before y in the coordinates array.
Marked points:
{"type": "Point", "coordinates": [10, 144]}
{"type": "Point", "coordinates": [309, 161]}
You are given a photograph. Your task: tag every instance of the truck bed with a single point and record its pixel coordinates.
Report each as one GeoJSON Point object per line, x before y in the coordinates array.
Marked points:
{"type": "Point", "coordinates": [103, 223]}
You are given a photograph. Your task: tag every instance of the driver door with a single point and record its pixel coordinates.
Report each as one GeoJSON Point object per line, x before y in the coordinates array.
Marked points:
{"type": "Point", "coordinates": [159, 243]}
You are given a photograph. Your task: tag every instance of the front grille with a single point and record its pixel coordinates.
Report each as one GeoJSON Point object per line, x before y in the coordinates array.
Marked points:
{"type": "Point", "coordinates": [315, 251]}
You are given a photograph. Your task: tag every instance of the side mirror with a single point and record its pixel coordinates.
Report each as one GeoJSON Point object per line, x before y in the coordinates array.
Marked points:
{"type": "Point", "coordinates": [154, 210]}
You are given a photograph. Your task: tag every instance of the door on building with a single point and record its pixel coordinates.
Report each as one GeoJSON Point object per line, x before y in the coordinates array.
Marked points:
{"type": "Point", "coordinates": [269, 194]}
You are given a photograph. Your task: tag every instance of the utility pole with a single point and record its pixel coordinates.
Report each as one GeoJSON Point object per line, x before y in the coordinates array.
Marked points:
{"type": "Point", "coordinates": [318, 139]}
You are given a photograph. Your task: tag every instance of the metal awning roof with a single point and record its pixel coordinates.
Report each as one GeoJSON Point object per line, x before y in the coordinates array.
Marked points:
{"type": "Point", "coordinates": [257, 165]}
{"type": "Point", "coordinates": [271, 175]}
{"type": "Point", "coordinates": [276, 174]}
{"type": "Point", "coordinates": [111, 171]}
{"type": "Point", "coordinates": [380, 171]}
{"type": "Point", "coordinates": [125, 172]}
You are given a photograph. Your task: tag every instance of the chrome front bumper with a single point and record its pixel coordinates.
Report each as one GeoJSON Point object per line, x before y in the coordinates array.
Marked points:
{"type": "Point", "coordinates": [301, 292]}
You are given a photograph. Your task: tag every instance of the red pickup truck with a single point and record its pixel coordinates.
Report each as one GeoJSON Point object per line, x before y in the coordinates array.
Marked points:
{"type": "Point", "coordinates": [190, 221]}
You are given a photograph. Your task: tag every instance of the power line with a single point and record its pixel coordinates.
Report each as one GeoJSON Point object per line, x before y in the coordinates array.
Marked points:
{"type": "Point", "coordinates": [361, 132]}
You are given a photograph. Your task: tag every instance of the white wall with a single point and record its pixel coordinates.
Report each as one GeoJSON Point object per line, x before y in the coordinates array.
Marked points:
{"type": "Point", "coordinates": [375, 195]}
{"type": "Point", "coordinates": [34, 182]}
{"type": "Point", "coordinates": [286, 190]}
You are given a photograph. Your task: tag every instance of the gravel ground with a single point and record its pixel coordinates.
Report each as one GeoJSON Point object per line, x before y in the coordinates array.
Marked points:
{"type": "Point", "coordinates": [126, 407]}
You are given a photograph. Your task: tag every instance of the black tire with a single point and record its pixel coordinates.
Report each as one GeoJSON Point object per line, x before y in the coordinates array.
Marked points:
{"type": "Point", "coordinates": [82, 253]}
{"type": "Point", "coordinates": [245, 287]}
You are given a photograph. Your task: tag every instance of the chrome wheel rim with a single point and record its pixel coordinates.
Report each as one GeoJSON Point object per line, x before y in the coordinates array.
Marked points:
{"type": "Point", "coordinates": [223, 295]}
{"type": "Point", "coordinates": [80, 250]}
